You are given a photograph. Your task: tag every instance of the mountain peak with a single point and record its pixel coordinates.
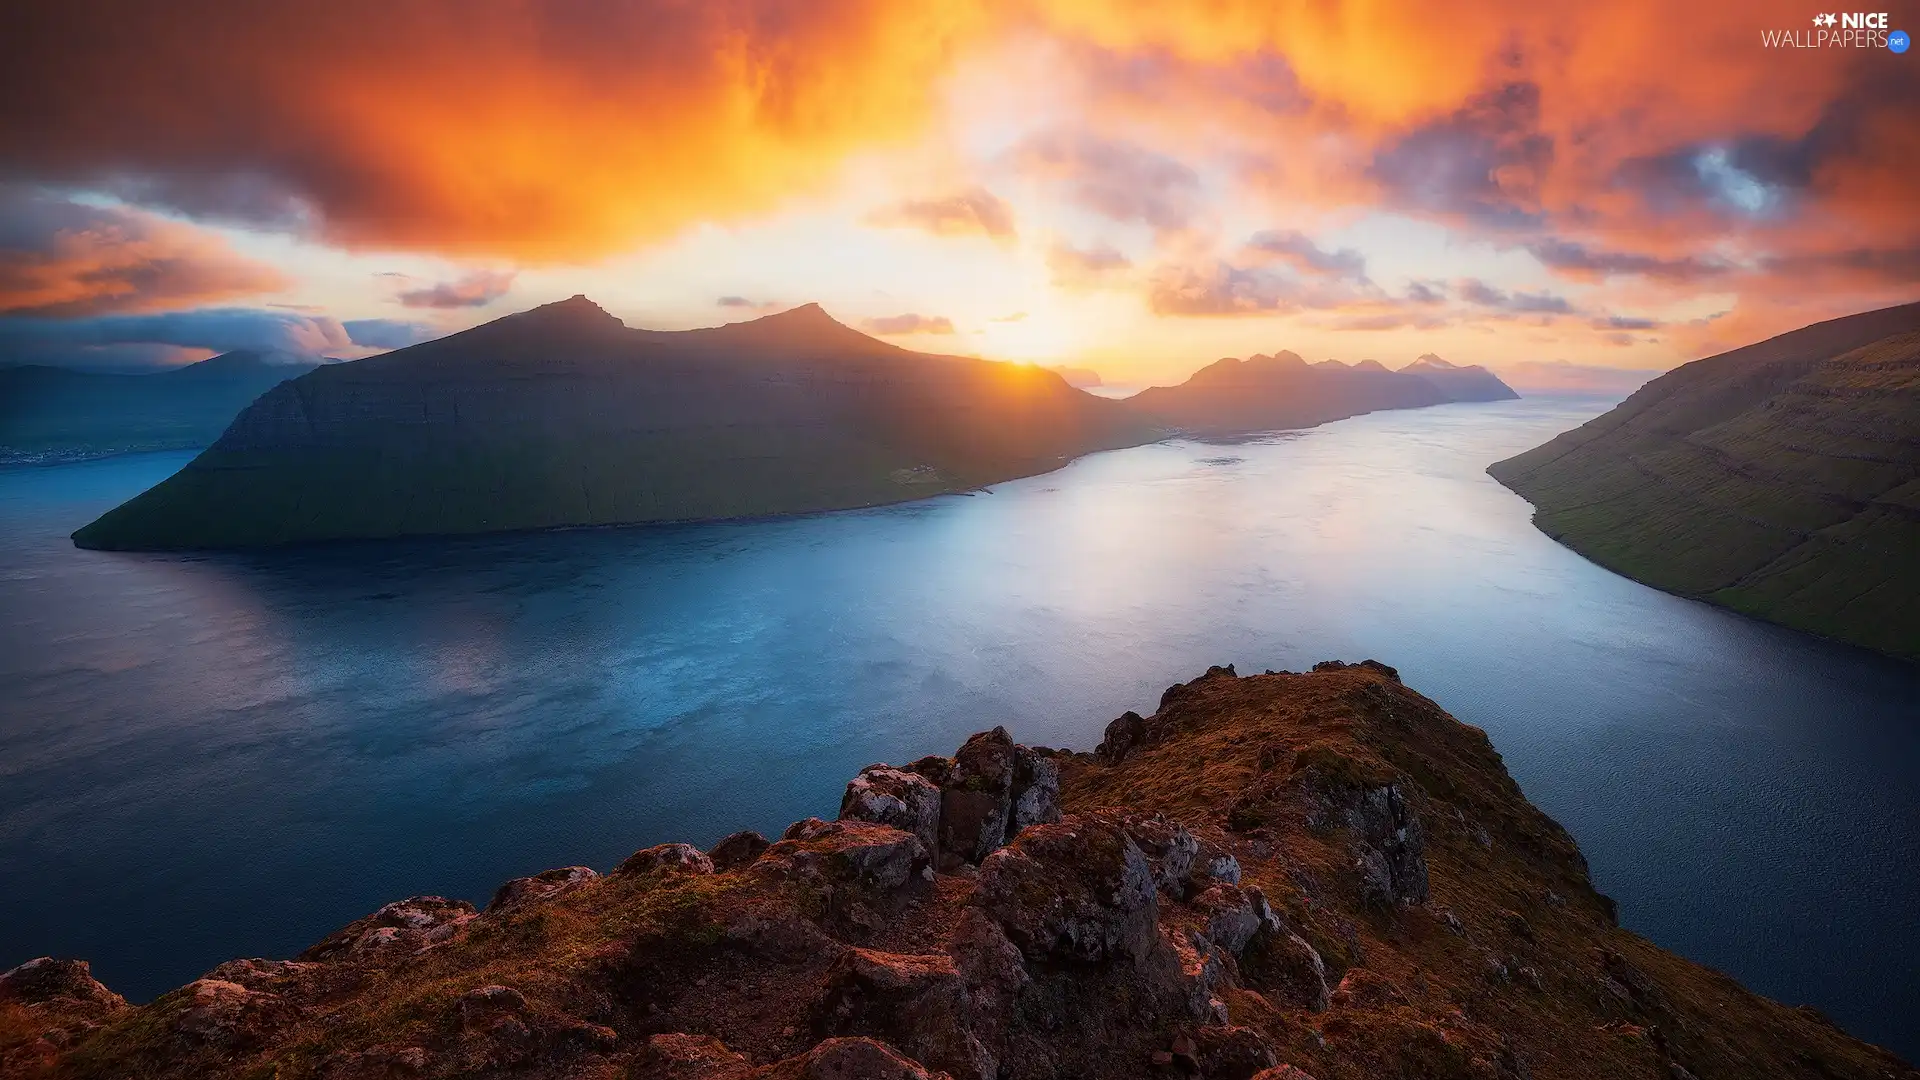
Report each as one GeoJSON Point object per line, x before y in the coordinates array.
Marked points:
{"type": "Point", "coordinates": [575, 310]}
{"type": "Point", "coordinates": [1431, 360]}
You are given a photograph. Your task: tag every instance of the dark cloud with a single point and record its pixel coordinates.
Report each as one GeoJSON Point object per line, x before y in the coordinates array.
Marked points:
{"type": "Point", "coordinates": [974, 212]}
{"type": "Point", "coordinates": [1477, 292]}
{"type": "Point", "coordinates": [1580, 261]}
{"type": "Point", "coordinates": [1625, 322]}
{"type": "Point", "coordinates": [61, 258]}
{"type": "Point", "coordinates": [387, 333]}
{"type": "Point", "coordinates": [1114, 179]}
{"type": "Point", "coordinates": [478, 289]}
{"type": "Point", "coordinates": [1298, 250]}
{"type": "Point", "coordinates": [1427, 292]}
{"type": "Point", "coordinates": [1896, 265]}
{"type": "Point", "coordinates": [1390, 320]}
{"type": "Point", "coordinates": [910, 324]}
{"type": "Point", "coordinates": [1484, 162]}
{"type": "Point", "coordinates": [215, 329]}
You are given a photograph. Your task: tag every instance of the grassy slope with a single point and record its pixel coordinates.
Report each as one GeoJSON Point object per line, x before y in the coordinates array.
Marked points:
{"type": "Point", "coordinates": [1781, 480]}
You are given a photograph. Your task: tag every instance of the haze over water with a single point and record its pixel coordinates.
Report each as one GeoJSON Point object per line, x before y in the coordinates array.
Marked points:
{"type": "Point", "coordinates": [204, 757]}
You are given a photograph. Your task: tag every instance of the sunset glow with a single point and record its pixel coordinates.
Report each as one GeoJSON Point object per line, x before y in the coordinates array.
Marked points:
{"type": "Point", "coordinates": [1139, 189]}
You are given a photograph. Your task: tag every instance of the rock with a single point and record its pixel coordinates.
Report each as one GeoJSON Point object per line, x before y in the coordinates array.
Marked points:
{"type": "Point", "coordinates": [483, 1005]}
{"type": "Point", "coordinates": [804, 829]}
{"type": "Point", "coordinates": [1221, 866]}
{"type": "Point", "coordinates": [782, 938]}
{"type": "Point", "coordinates": [737, 849]}
{"type": "Point", "coordinates": [258, 974]}
{"type": "Point", "coordinates": [691, 1057]}
{"type": "Point", "coordinates": [876, 857]}
{"type": "Point", "coordinates": [1079, 888]}
{"type": "Point", "coordinates": [1287, 969]}
{"type": "Point", "coordinates": [1284, 1072]}
{"type": "Point", "coordinates": [400, 928]}
{"type": "Point", "coordinates": [934, 768]}
{"type": "Point", "coordinates": [918, 1003]}
{"type": "Point", "coordinates": [1169, 850]}
{"type": "Point", "coordinates": [1231, 918]}
{"type": "Point", "coordinates": [1391, 858]}
{"type": "Point", "coordinates": [1036, 791]}
{"type": "Point", "coordinates": [905, 800]}
{"type": "Point", "coordinates": [1191, 973]}
{"type": "Point", "coordinates": [684, 858]}
{"type": "Point", "coordinates": [1232, 1053]}
{"type": "Point", "coordinates": [847, 1059]}
{"type": "Point", "coordinates": [44, 980]}
{"type": "Point", "coordinates": [547, 883]}
{"type": "Point", "coordinates": [227, 1016]}
{"type": "Point", "coordinates": [976, 801]}
{"type": "Point", "coordinates": [1122, 736]}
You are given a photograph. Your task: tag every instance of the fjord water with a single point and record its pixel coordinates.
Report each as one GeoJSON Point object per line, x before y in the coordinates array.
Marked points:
{"type": "Point", "coordinates": [204, 757]}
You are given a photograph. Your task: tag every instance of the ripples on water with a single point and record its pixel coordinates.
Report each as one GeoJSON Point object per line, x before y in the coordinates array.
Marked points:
{"type": "Point", "coordinates": [215, 756]}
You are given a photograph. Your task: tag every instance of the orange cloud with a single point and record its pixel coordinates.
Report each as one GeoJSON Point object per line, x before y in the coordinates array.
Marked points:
{"type": "Point", "coordinates": [539, 132]}
{"type": "Point", "coordinates": [975, 211]}
{"type": "Point", "coordinates": [65, 259]}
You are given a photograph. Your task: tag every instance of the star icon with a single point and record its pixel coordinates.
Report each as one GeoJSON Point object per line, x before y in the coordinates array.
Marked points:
{"type": "Point", "coordinates": [1819, 20]}
{"type": "Point", "coordinates": [1830, 19]}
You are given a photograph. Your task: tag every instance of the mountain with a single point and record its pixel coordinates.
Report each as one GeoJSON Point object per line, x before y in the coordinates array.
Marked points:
{"type": "Point", "coordinates": [1471, 383]}
{"type": "Point", "coordinates": [55, 413]}
{"type": "Point", "coordinates": [1274, 877]}
{"type": "Point", "coordinates": [1078, 376]}
{"type": "Point", "coordinates": [563, 416]}
{"type": "Point", "coordinates": [1781, 480]}
{"type": "Point", "coordinates": [1267, 393]}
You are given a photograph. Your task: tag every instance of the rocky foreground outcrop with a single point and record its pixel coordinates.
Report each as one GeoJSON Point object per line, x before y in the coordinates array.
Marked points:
{"type": "Point", "coordinates": [1282, 876]}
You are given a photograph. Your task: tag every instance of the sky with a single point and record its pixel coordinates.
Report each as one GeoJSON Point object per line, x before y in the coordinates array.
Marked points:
{"type": "Point", "coordinates": [1574, 195]}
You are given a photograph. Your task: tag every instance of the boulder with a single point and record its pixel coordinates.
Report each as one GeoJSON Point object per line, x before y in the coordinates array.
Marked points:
{"type": "Point", "coordinates": [1036, 791]}
{"type": "Point", "coordinates": [1232, 1053]}
{"type": "Point", "coordinates": [1287, 969]}
{"type": "Point", "coordinates": [905, 800]}
{"type": "Point", "coordinates": [848, 1059]}
{"type": "Point", "coordinates": [918, 1003]}
{"type": "Point", "coordinates": [1122, 736]}
{"type": "Point", "coordinates": [226, 1016]}
{"type": "Point", "coordinates": [547, 883]}
{"type": "Point", "coordinates": [684, 858]}
{"type": "Point", "coordinates": [397, 929]}
{"type": "Point", "coordinates": [258, 974]}
{"type": "Point", "coordinates": [976, 800]}
{"type": "Point", "coordinates": [736, 850]}
{"type": "Point", "coordinates": [1231, 917]}
{"type": "Point", "coordinates": [880, 858]}
{"type": "Point", "coordinates": [1076, 889]}
{"type": "Point", "coordinates": [1169, 850]}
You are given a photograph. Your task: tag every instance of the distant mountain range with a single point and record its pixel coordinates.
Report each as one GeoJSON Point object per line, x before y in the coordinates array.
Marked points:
{"type": "Point", "coordinates": [51, 413]}
{"type": "Point", "coordinates": [564, 416]}
{"type": "Point", "coordinates": [1263, 393]}
{"type": "Point", "coordinates": [1781, 480]}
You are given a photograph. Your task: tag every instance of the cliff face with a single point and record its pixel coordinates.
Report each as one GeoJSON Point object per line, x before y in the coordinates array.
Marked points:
{"type": "Point", "coordinates": [563, 416]}
{"type": "Point", "coordinates": [1781, 480]}
{"type": "Point", "coordinates": [1266, 393]}
{"type": "Point", "coordinates": [1282, 876]}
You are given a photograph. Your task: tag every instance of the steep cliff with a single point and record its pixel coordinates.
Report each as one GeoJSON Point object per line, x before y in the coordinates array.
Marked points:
{"type": "Point", "coordinates": [1279, 876]}
{"type": "Point", "coordinates": [562, 416]}
{"type": "Point", "coordinates": [1781, 480]}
